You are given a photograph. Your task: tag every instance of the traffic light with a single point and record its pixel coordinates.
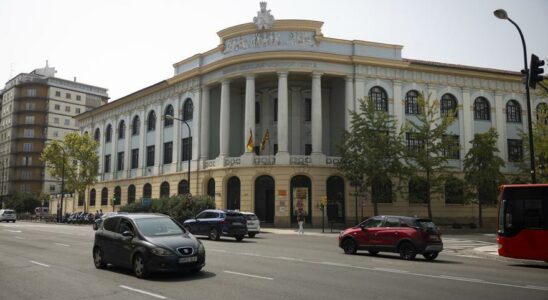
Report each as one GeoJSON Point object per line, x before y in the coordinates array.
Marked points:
{"type": "Point", "coordinates": [535, 71]}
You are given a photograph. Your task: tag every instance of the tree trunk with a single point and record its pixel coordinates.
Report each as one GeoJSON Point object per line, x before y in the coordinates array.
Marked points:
{"type": "Point", "coordinates": [428, 194]}
{"type": "Point", "coordinates": [480, 218]}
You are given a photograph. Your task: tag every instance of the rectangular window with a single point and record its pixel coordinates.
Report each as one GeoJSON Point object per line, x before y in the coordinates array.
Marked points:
{"type": "Point", "coordinates": [275, 149]}
{"type": "Point", "coordinates": [52, 188]}
{"type": "Point", "coordinates": [307, 149]}
{"type": "Point", "coordinates": [77, 110]}
{"type": "Point", "coordinates": [308, 109]}
{"type": "Point", "coordinates": [413, 142]}
{"type": "Point", "coordinates": [30, 106]}
{"type": "Point", "coordinates": [515, 150]}
{"type": "Point", "coordinates": [257, 112]}
{"type": "Point", "coordinates": [58, 93]}
{"type": "Point", "coordinates": [187, 149]}
{"type": "Point", "coordinates": [57, 107]}
{"type": "Point", "coordinates": [27, 147]}
{"type": "Point", "coordinates": [29, 119]}
{"type": "Point", "coordinates": [27, 160]}
{"type": "Point", "coordinates": [31, 93]}
{"type": "Point", "coordinates": [28, 133]}
{"type": "Point", "coordinates": [26, 174]}
{"type": "Point", "coordinates": [68, 96]}
{"type": "Point", "coordinates": [67, 108]}
{"type": "Point", "coordinates": [452, 151]}
{"type": "Point", "coordinates": [134, 158]}
{"type": "Point", "coordinates": [168, 152]}
{"type": "Point", "coordinates": [55, 120]}
{"type": "Point", "coordinates": [275, 110]}
{"type": "Point", "coordinates": [67, 122]}
{"type": "Point", "coordinates": [78, 97]}
{"type": "Point", "coordinates": [107, 163]}
{"type": "Point", "coordinates": [120, 161]}
{"type": "Point", "coordinates": [150, 156]}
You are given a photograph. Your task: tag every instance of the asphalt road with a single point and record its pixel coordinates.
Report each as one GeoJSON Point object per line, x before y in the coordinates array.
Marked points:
{"type": "Point", "coordinates": [49, 261]}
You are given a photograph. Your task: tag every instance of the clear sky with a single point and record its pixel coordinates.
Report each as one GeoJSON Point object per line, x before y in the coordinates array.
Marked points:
{"type": "Point", "coordinates": [127, 45]}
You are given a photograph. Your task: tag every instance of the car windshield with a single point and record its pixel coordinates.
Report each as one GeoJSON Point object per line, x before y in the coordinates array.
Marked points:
{"type": "Point", "coordinates": [426, 224]}
{"type": "Point", "coordinates": [158, 227]}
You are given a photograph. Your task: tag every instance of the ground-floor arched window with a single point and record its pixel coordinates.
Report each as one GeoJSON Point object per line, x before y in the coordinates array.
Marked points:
{"type": "Point", "coordinates": [182, 187]}
{"type": "Point", "coordinates": [117, 195]}
{"type": "Point", "coordinates": [233, 193]}
{"type": "Point", "coordinates": [104, 196]}
{"type": "Point", "coordinates": [164, 190]}
{"type": "Point", "coordinates": [301, 197]}
{"type": "Point", "coordinates": [147, 191]}
{"type": "Point", "coordinates": [92, 197]}
{"type": "Point", "coordinates": [264, 198]}
{"type": "Point", "coordinates": [131, 194]}
{"type": "Point", "coordinates": [211, 188]}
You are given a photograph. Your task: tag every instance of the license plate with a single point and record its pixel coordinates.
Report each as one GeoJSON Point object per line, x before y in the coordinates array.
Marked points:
{"type": "Point", "coordinates": [236, 223]}
{"type": "Point", "coordinates": [183, 260]}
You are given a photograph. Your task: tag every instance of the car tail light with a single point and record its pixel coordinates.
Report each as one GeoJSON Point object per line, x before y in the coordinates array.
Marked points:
{"type": "Point", "coordinates": [224, 222]}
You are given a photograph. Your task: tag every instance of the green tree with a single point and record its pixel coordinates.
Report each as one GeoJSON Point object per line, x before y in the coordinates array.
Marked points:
{"type": "Point", "coordinates": [24, 202]}
{"type": "Point", "coordinates": [427, 145]}
{"type": "Point", "coordinates": [482, 170]}
{"type": "Point", "coordinates": [75, 159]}
{"type": "Point", "coordinates": [373, 149]}
{"type": "Point", "coordinates": [540, 142]}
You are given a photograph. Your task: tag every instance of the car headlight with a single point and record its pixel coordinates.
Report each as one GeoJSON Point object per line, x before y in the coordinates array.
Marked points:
{"type": "Point", "coordinates": [201, 249]}
{"type": "Point", "coordinates": [161, 252]}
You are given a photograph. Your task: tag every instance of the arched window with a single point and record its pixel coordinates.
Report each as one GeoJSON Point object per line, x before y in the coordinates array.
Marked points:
{"type": "Point", "coordinates": [211, 188]}
{"type": "Point", "coordinates": [417, 190]}
{"type": "Point", "coordinates": [147, 191]}
{"type": "Point", "coordinates": [92, 197]}
{"type": "Point", "coordinates": [131, 194]}
{"type": "Point", "coordinates": [164, 190]}
{"type": "Point", "coordinates": [108, 134]}
{"type": "Point", "coordinates": [448, 104]}
{"type": "Point", "coordinates": [542, 112]}
{"type": "Point", "coordinates": [117, 195]}
{"type": "Point", "coordinates": [169, 112]}
{"type": "Point", "coordinates": [233, 189]}
{"type": "Point", "coordinates": [381, 190]}
{"type": "Point", "coordinates": [482, 111]}
{"type": "Point", "coordinates": [182, 187]}
{"type": "Point", "coordinates": [454, 191]}
{"type": "Point", "coordinates": [81, 199]}
{"type": "Point", "coordinates": [188, 109]}
{"type": "Point", "coordinates": [379, 98]}
{"type": "Point", "coordinates": [135, 126]}
{"type": "Point", "coordinates": [122, 130]}
{"type": "Point", "coordinates": [104, 196]}
{"type": "Point", "coordinates": [513, 112]}
{"type": "Point", "coordinates": [151, 122]}
{"type": "Point", "coordinates": [411, 103]}
{"type": "Point", "coordinates": [97, 135]}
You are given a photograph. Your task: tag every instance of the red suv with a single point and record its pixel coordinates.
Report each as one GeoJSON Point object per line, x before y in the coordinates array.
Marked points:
{"type": "Point", "coordinates": [407, 236]}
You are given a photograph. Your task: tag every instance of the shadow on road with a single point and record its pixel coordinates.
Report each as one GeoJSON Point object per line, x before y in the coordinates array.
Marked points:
{"type": "Point", "coordinates": [165, 276]}
{"type": "Point", "coordinates": [531, 265]}
{"type": "Point", "coordinates": [419, 258]}
{"type": "Point", "coordinates": [230, 240]}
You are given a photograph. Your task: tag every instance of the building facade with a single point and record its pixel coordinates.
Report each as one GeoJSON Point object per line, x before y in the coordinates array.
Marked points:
{"type": "Point", "coordinates": [38, 107]}
{"type": "Point", "coordinates": [261, 115]}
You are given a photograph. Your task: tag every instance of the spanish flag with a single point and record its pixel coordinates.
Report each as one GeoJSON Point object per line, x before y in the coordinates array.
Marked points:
{"type": "Point", "coordinates": [250, 142]}
{"type": "Point", "coordinates": [266, 138]}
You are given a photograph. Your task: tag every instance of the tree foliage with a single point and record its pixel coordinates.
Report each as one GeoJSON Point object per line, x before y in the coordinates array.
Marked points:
{"type": "Point", "coordinates": [373, 148]}
{"type": "Point", "coordinates": [428, 158]}
{"type": "Point", "coordinates": [482, 168]}
{"type": "Point", "coordinates": [540, 142]}
{"type": "Point", "coordinates": [24, 202]}
{"type": "Point", "coordinates": [75, 159]}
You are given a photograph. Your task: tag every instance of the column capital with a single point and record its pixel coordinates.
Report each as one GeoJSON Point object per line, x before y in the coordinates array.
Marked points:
{"type": "Point", "coordinates": [397, 82]}
{"type": "Point", "coordinates": [282, 73]}
{"type": "Point", "coordinates": [316, 74]}
{"type": "Point", "coordinates": [250, 76]}
{"type": "Point", "coordinates": [225, 81]}
{"type": "Point", "coordinates": [348, 78]}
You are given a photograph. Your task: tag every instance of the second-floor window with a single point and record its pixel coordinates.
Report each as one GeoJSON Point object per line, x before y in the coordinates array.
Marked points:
{"type": "Point", "coordinates": [411, 103]}
{"type": "Point", "coordinates": [120, 161]}
{"type": "Point", "coordinates": [135, 126]}
{"type": "Point", "coordinates": [108, 134]}
{"type": "Point", "coordinates": [379, 97]}
{"type": "Point", "coordinates": [515, 150]}
{"type": "Point", "coordinates": [150, 156]}
{"type": "Point", "coordinates": [513, 112]}
{"type": "Point", "coordinates": [134, 158]}
{"type": "Point", "coordinates": [107, 163]}
{"type": "Point", "coordinates": [168, 152]}
{"type": "Point", "coordinates": [187, 149]}
{"type": "Point", "coordinates": [413, 142]}
{"type": "Point", "coordinates": [452, 151]}
{"type": "Point", "coordinates": [482, 111]}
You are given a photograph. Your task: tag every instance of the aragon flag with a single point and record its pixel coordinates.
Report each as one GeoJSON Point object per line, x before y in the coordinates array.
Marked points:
{"type": "Point", "coordinates": [266, 138]}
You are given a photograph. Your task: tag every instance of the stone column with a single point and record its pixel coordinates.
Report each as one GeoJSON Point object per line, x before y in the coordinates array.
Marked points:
{"type": "Point", "coordinates": [142, 141]}
{"type": "Point", "coordinates": [158, 135]}
{"type": "Point", "coordinates": [196, 125]}
{"type": "Point", "coordinates": [204, 140]}
{"type": "Point", "coordinates": [500, 125]}
{"type": "Point", "coordinates": [127, 150]}
{"type": "Point", "coordinates": [468, 117]}
{"type": "Point", "coordinates": [359, 86]}
{"type": "Point", "coordinates": [177, 113]}
{"type": "Point", "coordinates": [282, 157]}
{"type": "Point", "coordinates": [348, 101]}
{"type": "Point", "coordinates": [249, 127]}
{"type": "Point", "coordinates": [102, 146]}
{"type": "Point", "coordinates": [224, 135]}
{"type": "Point", "coordinates": [114, 151]}
{"type": "Point", "coordinates": [317, 155]}
{"type": "Point", "coordinates": [398, 107]}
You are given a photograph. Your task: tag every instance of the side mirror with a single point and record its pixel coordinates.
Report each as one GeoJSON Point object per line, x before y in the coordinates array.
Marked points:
{"type": "Point", "coordinates": [127, 233]}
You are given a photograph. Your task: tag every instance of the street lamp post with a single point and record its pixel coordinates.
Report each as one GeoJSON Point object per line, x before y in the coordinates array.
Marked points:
{"type": "Point", "coordinates": [170, 117]}
{"type": "Point", "coordinates": [501, 14]}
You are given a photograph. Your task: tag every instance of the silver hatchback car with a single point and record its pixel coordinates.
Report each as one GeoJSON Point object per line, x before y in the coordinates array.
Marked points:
{"type": "Point", "coordinates": [7, 215]}
{"type": "Point", "coordinates": [253, 224]}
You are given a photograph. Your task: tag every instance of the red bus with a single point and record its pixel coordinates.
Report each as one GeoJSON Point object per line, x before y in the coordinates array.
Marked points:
{"type": "Point", "coordinates": [523, 221]}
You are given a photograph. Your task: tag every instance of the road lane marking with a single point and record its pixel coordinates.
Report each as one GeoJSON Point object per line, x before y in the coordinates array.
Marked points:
{"type": "Point", "coordinates": [19, 238]}
{"type": "Point", "coordinates": [469, 256]}
{"type": "Point", "coordinates": [38, 263]}
{"type": "Point", "coordinates": [391, 270]}
{"type": "Point", "coordinates": [249, 275]}
{"type": "Point", "coordinates": [64, 245]}
{"type": "Point", "coordinates": [17, 231]}
{"type": "Point", "coordinates": [142, 292]}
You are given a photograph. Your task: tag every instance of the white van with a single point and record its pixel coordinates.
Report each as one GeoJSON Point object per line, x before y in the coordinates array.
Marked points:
{"type": "Point", "coordinates": [7, 215]}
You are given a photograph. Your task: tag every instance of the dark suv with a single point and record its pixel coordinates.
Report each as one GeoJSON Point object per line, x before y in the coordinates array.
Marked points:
{"type": "Point", "coordinates": [147, 243]}
{"type": "Point", "coordinates": [407, 236]}
{"type": "Point", "coordinates": [214, 223]}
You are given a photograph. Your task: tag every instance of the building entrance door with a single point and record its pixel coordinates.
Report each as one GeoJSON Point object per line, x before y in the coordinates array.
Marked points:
{"type": "Point", "coordinates": [264, 198]}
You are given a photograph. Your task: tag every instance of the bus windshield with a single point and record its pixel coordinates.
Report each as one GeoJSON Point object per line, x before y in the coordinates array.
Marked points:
{"type": "Point", "coordinates": [523, 207]}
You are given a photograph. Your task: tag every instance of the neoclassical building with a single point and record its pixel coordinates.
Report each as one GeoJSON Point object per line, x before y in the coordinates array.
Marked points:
{"type": "Point", "coordinates": [284, 78]}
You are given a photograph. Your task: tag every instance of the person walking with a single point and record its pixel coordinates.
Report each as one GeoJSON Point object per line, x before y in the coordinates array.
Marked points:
{"type": "Point", "coordinates": [300, 220]}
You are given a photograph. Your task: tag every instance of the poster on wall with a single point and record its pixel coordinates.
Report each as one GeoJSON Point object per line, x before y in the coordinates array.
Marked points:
{"type": "Point", "coordinates": [300, 200]}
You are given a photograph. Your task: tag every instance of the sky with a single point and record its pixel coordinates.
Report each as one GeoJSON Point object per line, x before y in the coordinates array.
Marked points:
{"type": "Point", "coordinates": [127, 45]}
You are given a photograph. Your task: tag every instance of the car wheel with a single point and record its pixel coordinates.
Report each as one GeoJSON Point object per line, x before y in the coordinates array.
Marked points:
{"type": "Point", "coordinates": [98, 259]}
{"type": "Point", "coordinates": [251, 235]}
{"type": "Point", "coordinates": [407, 251]}
{"type": "Point", "coordinates": [139, 266]}
{"type": "Point", "coordinates": [373, 252]}
{"type": "Point", "coordinates": [239, 238]}
{"type": "Point", "coordinates": [349, 246]}
{"type": "Point", "coordinates": [430, 256]}
{"type": "Point", "coordinates": [214, 234]}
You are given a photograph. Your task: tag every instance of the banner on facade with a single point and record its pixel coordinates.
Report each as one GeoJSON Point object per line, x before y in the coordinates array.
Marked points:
{"type": "Point", "coordinates": [300, 200]}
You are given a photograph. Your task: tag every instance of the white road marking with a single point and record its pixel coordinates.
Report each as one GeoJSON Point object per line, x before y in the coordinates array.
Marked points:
{"type": "Point", "coordinates": [38, 263]}
{"type": "Point", "coordinates": [471, 256]}
{"type": "Point", "coordinates": [249, 275]}
{"type": "Point", "coordinates": [142, 292]}
{"type": "Point", "coordinates": [391, 270]}
{"type": "Point", "coordinates": [19, 238]}
{"type": "Point", "coordinates": [64, 245]}
{"type": "Point", "coordinates": [18, 231]}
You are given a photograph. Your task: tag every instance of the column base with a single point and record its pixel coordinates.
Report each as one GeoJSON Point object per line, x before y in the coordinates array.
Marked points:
{"type": "Point", "coordinates": [317, 158]}
{"type": "Point", "coordinates": [282, 158]}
